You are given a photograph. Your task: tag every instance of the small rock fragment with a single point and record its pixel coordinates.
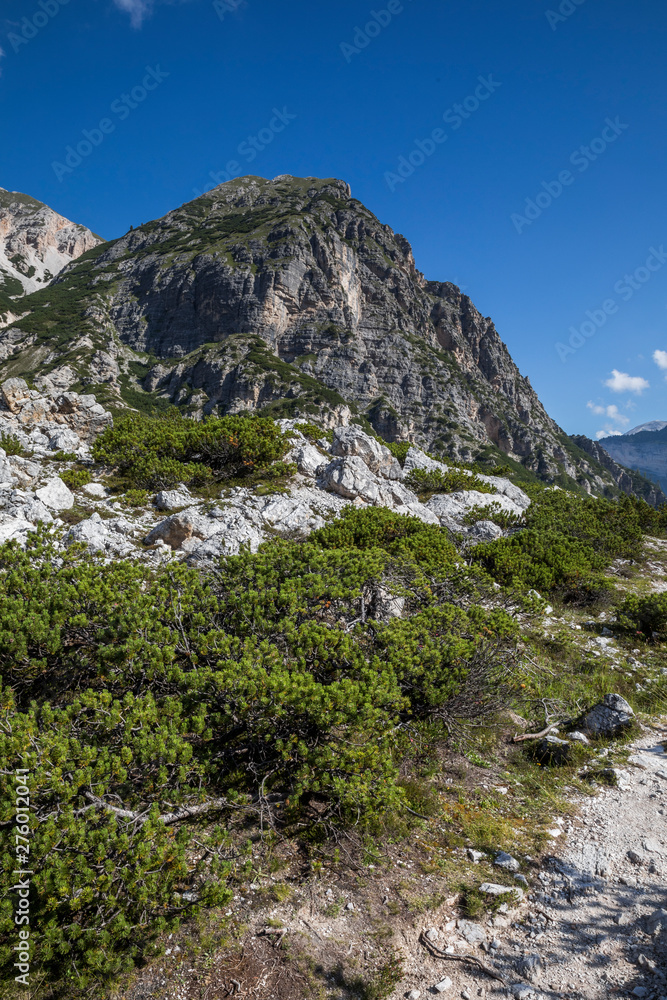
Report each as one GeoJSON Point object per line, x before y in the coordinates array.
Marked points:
{"type": "Point", "coordinates": [635, 857]}
{"type": "Point", "coordinates": [531, 967]}
{"type": "Point", "coordinates": [414, 995]}
{"type": "Point", "coordinates": [475, 856]}
{"type": "Point", "coordinates": [506, 861]}
{"type": "Point", "coordinates": [432, 934]}
{"type": "Point", "coordinates": [443, 985]}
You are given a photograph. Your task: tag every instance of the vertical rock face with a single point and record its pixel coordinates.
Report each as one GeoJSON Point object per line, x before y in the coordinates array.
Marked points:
{"type": "Point", "coordinates": [290, 295]}
{"type": "Point", "coordinates": [35, 243]}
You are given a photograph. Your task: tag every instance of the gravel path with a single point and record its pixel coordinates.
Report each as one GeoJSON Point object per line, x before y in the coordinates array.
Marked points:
{"type": "Point", "coordinates": [598, 928]}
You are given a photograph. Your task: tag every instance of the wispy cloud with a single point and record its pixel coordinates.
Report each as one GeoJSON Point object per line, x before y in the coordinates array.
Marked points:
{"type": "Point", "coordinates": [660, 358]}
{"type": "Point", "coordinates": [612, 412]}
{"type": "Point", "coordinates": [607, 432]}
{"type": "Point", "coordinates": [137, 9]}
{"type": "Point", "coordinates": [622, 382]}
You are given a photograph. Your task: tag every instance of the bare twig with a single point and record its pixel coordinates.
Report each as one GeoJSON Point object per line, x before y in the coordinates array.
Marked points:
{"type": "Point", "coordinates": [459, 958]}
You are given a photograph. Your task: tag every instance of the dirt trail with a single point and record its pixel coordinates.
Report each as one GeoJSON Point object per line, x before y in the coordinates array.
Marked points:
{"type": "Point", "coordinates": [591, 926]}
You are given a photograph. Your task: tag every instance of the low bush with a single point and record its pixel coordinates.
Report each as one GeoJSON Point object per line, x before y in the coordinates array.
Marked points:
{"type": "Point", "coordinates": [493, 512]}
{"type": "Point", "coordinates": [159, 453]}
{"type": "Point", "coordinates": [76, 478]}
{"type": "Point", "coordinates": [157, 708]}
{"type": "Point", "coordinates": [644, 616]}
{"type": "Point", "coordinates": [10, 444]}
{"type": "Point", "coordinates": [426, 484]}
{"type": "Point", "coordinates": [568, 542]}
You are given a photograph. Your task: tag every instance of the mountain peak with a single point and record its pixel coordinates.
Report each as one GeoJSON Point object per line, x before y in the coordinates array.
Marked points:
{"type": "Point", "coordinates": [36, 243]}
{"type": "Point", "coordinates": [288, 296]}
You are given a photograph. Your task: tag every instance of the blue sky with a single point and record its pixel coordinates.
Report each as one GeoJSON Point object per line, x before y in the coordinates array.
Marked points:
{"type": "Point", "coordinates": [543, 194]}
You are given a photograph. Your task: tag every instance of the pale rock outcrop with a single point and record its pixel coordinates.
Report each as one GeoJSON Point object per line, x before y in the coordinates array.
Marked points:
{"type": "Point", "coordinates": [452, 508]}
{"type": "Point", "coordinates": [351, 478]}
{"type": "Point", "coordinates": [96, 490]}
{"type": "Point", "coordinates": [352, 442]}
{"type": "Point", "coordinates": [66, 421]}
{"type": "Point", "coordinates": [25, 506]}
{"type": "Point", "coordinates": [110, 538]}
{"type": "Point", "coordinates": [173, 499]}
{"type": "Point", "coordinates": [309, 460]}
{"type": "Point", "coordinates": [56, 495]}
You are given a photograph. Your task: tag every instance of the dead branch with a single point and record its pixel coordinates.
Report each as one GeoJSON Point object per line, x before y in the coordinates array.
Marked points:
{"type": "Point", "coordinates": [534, 736]}
{"type": "Point", "coordinates": [436, 953]}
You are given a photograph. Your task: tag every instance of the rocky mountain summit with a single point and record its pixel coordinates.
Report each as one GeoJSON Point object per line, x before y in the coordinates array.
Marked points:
{"type": "Point", "coordinates": [36, 243]}
{"type": "Point", "coordinates": [290, 297]}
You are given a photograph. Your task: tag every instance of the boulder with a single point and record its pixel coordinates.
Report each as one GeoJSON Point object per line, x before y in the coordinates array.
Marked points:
{"type": "Point", "coordinates": [609, 718]}
{"type": "Point", "coordinates": [485, 531]}
{"type": "Point", "coordinates": [552, 752]}
{"type": "Point", "coordinates": [173, 499]}
{"type": "Point", "coordinates": [13, 394]}
{"type": "Point", "coordinates": [64, 440]}
{"type": "Point", "coordinates": [418, 459]}
{"type": "Point", "coordinates": [56, 495]}
{"type": "Point", "coordinates": [179, 528]}
{"type": "Point", "coordinates": [95, 490]}
{"type": "Point", "coordinates": [110, 538]}
{"type": "Point", "coordinates": [471, 932]}
{"type": "Point", "coordinates": [351, 478]}
{"type": "Point", "coordinates": [351, 442]}
{"type": "Point", "coordinates": [506, 861]}
{"type": "Point", "coordinates": [309, 460]}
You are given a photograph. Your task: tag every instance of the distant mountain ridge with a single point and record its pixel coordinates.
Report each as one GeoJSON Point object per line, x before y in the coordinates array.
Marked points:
{"type": "Point", "coordinates": [643, 449]}
{"type": "Point", "coordinates": [290, 297]}
{"type": "Point", "coordinates": [36, 243]}
{"type": "Point", "coordinates": [652, 425]}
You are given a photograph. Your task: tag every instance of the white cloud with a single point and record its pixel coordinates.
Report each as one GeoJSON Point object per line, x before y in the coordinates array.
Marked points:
{"type": "Point", "coordinates": [608, 411]}
{"type": "Point", "coordinates": [607, 432]}
{"type": "Point", "coordinates": [622, 382]}
{"type": "Point", "coordinates": [137, 9]}
{"type": "Point", "coordinates": [660, 358]}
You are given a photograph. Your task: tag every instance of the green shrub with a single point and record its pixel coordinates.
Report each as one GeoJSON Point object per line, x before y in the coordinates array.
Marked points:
{"type": "Point", "coordinates": [10, 444]}
{"type": "Point", "coordinates": [645, 615]}
{"type": "Point", "coordinates": [76, 478]}
{"type": "Point", "coordinates": [399, 450]}
{"type": "Point", "coordinates": [568, 542]}
{"type": "Point", "coordinates": [426, 484]}
{"type": "Point", "coordinates": [64, 456]}
{"type": "Point", "coordinates": [160, 452]}
{"type": "Point", "coordinates": [159, 691]}
{"type": "Point", "coordinates": [493, 512]}
{"type": "Point", "coordinates": [135, 498]}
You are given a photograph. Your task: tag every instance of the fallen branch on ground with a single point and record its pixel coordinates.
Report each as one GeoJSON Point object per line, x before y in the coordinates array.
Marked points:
{"type": "Point", "coordinates": [437, 953]}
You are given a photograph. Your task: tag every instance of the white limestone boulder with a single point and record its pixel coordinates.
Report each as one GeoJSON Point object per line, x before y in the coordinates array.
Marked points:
{"type": "Point", "coordinates": [56, 495]}
{"type": "Point", "coordinates": [351, 442]}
